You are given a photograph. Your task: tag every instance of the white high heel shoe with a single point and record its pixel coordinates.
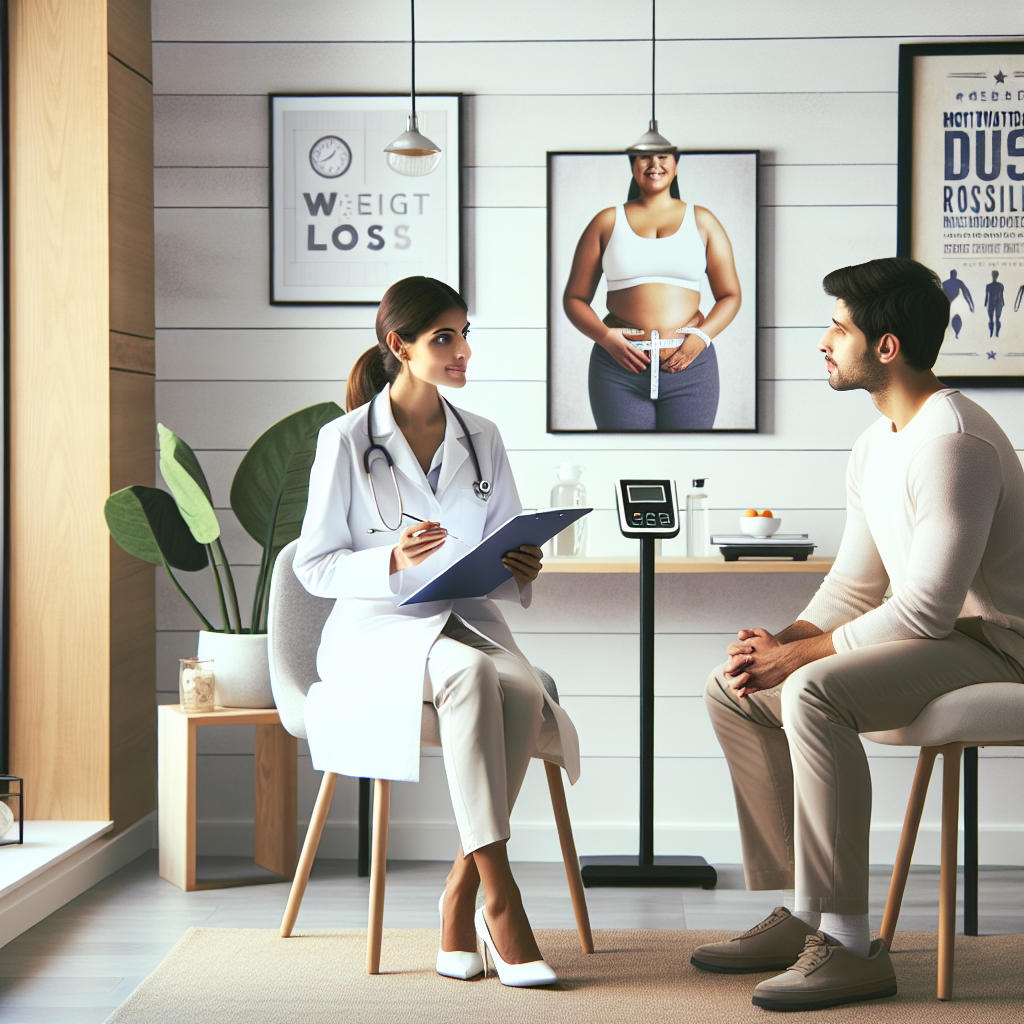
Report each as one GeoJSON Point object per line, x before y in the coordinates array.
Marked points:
{"type": "Point", "coordinates": [456, 964]}
{"type": "Point", "coordinates": [530, 975]}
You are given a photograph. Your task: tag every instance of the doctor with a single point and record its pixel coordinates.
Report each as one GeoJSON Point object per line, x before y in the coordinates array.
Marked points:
{"type": "Point", "coordinates": [400, 487]}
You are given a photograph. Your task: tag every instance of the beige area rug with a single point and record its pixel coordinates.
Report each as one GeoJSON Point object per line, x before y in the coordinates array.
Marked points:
{"type": "Point", "coordinates": [251, 976]}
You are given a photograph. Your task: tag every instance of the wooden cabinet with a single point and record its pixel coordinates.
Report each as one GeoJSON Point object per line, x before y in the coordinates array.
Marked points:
{"type": "Point", "coordinates": [82, 628]}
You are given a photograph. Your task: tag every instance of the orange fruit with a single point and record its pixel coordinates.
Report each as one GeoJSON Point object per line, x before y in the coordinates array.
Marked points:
{"type": "Point", "coordinates": [750, 513]}
{"type": "Point", "coordinates": [767, 514]}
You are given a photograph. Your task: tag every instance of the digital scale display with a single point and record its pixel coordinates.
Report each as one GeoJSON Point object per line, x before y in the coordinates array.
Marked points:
{"type": "Point", "coordinates": [640, 493]}
{"type": "Point", "coordinates": [647, 508]}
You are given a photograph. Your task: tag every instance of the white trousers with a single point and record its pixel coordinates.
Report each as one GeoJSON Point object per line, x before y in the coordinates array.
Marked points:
{"type": "Point", "coordinates": [490, 706]}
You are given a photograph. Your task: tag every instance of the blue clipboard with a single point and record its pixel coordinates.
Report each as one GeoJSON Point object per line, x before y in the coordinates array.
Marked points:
{"type": "Point", "coordinates": [480, 570]}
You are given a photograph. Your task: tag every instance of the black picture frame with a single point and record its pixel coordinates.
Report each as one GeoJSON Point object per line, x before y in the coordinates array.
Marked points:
{"type": "Point", "coordinates": [905, 168]}
{"type": "Point", "coordinates": [459, 169]}
{"type": "Point", "coordinates": [754, 301]}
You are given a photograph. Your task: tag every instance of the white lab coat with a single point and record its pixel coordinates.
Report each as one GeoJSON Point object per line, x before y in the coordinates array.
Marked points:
{"type": "Point", "coordinates": [363, 718]}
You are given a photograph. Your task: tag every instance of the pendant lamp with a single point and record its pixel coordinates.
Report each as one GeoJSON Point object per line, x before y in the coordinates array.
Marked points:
{"type": "Point", "coordinates": [652, 141]}
{"type": "Point", "coordinates": [411, 153]}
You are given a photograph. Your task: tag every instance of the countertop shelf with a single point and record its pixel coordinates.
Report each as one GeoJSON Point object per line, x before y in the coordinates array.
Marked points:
{"type": "Point", "coordinates": [674, 564]}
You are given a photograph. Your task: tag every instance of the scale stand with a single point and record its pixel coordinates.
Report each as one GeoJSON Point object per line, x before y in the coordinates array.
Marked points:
{"type": "Point", "coordinates": [646, 869]}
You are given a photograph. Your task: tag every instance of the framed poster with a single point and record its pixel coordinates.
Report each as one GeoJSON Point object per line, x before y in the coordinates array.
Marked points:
{"type": "Point", "coordinates": [960, 199]}
{"type": "Point", "coordinates": [588, 389]}
{"type": "Point", "coordinates": [345, 225]}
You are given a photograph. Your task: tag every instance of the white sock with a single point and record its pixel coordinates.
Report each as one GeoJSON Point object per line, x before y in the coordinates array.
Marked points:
{"type": "Point", "coordinates": [810, 918]}
{"type": "Point", "coordinates": [852, 930]}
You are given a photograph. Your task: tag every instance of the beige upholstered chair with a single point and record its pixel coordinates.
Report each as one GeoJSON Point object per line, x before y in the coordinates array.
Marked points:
{"type": "Point", "coordinates": [984, 714]}
{"type": "Point", "coordinates": [295, 622]}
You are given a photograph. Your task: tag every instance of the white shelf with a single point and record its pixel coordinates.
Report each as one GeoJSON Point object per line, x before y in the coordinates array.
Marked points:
{"type": "Point", "coordinates": [46, 844]}
{"type": "Point", "coordinates": [677, 564]}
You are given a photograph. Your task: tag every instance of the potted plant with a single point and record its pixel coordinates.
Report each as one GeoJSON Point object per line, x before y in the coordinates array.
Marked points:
{"type": "Point", "coordinates": [180, 531]}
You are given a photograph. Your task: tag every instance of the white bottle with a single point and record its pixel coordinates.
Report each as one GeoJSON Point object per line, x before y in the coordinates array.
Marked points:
{"type": "Point", "coordinates": [697, 538]}
{"type": "Point", "coordinates": [568, 492]}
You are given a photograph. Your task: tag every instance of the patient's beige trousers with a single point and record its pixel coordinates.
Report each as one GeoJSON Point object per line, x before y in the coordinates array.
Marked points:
{"type": "Point", "coordinates": [817, 766]}
{"type": "Point", "coordinates": [490, 707]}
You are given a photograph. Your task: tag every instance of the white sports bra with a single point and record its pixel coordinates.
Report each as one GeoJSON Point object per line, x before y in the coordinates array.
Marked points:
{"type": "Point", "coordinates": [630, 259]}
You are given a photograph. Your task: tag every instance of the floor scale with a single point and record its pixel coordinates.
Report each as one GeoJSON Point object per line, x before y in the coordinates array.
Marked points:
{"type": "Point", "coordinates": [648, 510]}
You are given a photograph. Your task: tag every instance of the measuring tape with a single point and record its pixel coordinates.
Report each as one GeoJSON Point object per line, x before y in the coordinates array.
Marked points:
{"type": "Point", "coordinates": [656, 345]}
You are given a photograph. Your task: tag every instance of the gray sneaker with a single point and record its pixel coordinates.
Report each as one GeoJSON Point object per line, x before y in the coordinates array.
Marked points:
{"type": "Point", "coordinates": [773, 945]}
{"type": "Point", "coordinates": [828, 974]}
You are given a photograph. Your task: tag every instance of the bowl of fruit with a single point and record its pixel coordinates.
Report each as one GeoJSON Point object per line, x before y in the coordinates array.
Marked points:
{"type": "Point", "coordinates": [759, 524]}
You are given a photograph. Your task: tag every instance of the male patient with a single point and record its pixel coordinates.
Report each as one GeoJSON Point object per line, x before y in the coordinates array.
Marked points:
{"type": "Point", "coordinates": [935, 509]}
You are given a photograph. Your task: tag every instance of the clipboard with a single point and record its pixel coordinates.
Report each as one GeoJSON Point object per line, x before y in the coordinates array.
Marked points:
{"type": "Point", "coordinates": [480, 570]}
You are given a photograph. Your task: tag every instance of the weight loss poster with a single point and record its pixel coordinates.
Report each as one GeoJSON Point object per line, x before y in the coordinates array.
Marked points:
{"type": "Point", "coordinates": [968, 205]}
{"type": "Point", "coordinates": [346, 225]}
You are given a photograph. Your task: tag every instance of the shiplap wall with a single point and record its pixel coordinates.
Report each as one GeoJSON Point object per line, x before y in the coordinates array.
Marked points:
{"type": "Point", "coordinates": [812, 85]}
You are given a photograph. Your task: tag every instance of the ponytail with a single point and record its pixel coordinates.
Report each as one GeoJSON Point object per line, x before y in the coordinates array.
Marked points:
{"type": "Point", "coordinates": [366, 378]}
{"type": "Point", "coordinates": [408, 308]}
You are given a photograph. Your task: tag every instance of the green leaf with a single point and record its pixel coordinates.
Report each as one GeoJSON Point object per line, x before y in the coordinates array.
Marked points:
{"type": "Point", "coordinates": [274, 475]}
{"type": "Point", "coordinates": [184, 477]}
{"type": "Point", "coordinates": [146, 522]}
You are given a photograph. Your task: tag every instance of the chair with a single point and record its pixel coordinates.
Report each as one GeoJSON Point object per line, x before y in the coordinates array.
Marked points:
{"type": "Point", "coordinates": [983, 714]}
{"type": "Point", "coordinates": [296, 621]}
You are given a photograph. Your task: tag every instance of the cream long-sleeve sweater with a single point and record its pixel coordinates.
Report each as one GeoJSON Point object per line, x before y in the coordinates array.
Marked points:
{"type": "Point", "coordinates": [937, 511]}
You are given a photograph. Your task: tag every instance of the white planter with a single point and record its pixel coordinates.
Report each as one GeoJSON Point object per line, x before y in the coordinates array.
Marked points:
{"type": "Point", "coordinates": [240, 667]}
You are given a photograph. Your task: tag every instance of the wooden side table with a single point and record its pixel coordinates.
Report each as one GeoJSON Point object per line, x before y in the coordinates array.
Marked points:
{"type": "Point", "coordinates": [276, 791]}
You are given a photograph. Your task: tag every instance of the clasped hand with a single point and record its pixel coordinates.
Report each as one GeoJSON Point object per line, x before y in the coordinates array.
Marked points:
{"type": "Point", "coordinates": [755, 662]}
{"type": "Point", "coordinates": [421, 540]}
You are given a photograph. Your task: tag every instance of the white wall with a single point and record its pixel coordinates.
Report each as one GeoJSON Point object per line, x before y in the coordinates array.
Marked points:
{"type": "Point", "coordinates": [812, 85]}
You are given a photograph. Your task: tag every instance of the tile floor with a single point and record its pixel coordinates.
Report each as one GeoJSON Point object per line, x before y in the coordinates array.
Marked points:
{"type": "Point", "coordinates": [83, 961]}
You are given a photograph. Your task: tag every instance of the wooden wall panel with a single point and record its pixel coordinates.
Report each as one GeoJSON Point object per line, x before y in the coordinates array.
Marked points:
{"type": "Point", "coordinates": [60, 464]}
{"type": "Point", "coordinates": [132, 612]}
{"type": "Point", "coordinates": [129, 37]}
{"type": "Point", "coordinates": [131, 201]}
{"type": "Point", "coordinates": [129, 352]}
{"type": "Point", "coordinates": [132, 414]}
{"type": "Point", "coordinates": [82, 407]}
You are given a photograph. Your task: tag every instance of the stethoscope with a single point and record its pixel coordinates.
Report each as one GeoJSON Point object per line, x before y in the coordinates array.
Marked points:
{"type": "Point", "coordinates": [482, 488]}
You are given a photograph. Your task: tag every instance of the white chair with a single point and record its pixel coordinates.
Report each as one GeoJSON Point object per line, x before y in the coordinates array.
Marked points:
{"type": "Point", "coordinates": [981, 715]}
{"type": "Point", "coordinates": [296, 620]}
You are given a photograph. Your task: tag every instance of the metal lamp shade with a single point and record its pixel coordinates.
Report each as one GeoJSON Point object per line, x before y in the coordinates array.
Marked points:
{"type": "Point", "coordinates": [413, 154]}
{"type": "Point", "coordinates": [652, 141]}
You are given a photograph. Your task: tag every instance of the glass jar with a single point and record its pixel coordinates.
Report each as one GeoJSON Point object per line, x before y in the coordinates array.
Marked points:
{"type": "Point", "coordinates": [195, 684]}
{"type": "Point", "coordinates": [568, 492]}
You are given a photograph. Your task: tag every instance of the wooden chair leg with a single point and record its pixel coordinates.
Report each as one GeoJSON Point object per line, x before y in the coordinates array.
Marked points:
{"type": "Point", "coordinates": [378, 871]}
{"type": "Point", "coordinates": [908, 838]}
{"type": "Point", "coordinates": [947, 871]}
{"type": "Point", "coordinates": [572, 862]}
{"type": "Point", "coordinates": [309, 845]}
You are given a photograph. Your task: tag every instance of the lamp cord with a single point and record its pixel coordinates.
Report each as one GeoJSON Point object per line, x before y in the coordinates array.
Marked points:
{"type": "Point", "coordinates": [654, 36]}
{"type": "Point", "coordinates": [412, 14]}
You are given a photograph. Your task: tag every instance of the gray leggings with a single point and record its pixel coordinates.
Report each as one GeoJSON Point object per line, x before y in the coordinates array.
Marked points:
{"type": "Point", "coordinates": [620, 399]}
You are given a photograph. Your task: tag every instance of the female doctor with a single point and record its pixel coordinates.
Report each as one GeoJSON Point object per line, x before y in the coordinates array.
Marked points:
{"type": "Point", "coordinates": [400, 487]}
